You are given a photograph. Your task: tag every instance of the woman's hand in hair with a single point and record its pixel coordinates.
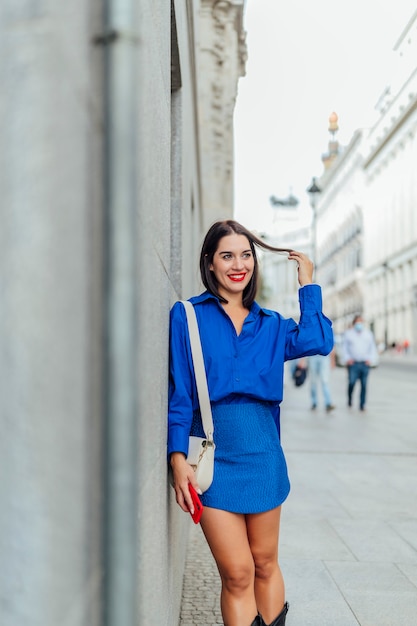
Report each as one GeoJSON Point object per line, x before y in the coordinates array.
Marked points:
{"type": "Point", "coordinates": [305, 267]}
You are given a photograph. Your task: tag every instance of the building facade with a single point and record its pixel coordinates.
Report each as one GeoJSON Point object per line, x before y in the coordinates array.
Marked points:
{"type": "Point", "coordinates": [110, 117]}
{"type": "Point", "coordinates": [366, 217]}
{"type": "Point", "coordinates": [390, 219]}
{"type": "Point", "coordinates": [339, 235]}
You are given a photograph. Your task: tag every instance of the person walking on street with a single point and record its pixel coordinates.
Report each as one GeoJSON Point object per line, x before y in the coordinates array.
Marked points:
{"type": "Point", "coordinates": [360, 351]}
{"type": "Point", "coordinates": [319, 374]}
{"type": "Point", "coordinates": [244, 348]}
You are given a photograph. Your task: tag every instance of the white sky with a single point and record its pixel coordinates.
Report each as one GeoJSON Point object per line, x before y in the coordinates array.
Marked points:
{"type": "Point", "coordinates": [306, 59]}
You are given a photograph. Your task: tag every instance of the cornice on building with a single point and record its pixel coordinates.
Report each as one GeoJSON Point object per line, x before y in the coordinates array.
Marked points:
{"type": "Point", "coordinates": [398, 100]}
{"type": "Point", "coordinates": [406, 32]}
{"type": "Point", "coordinates": [392, 128]}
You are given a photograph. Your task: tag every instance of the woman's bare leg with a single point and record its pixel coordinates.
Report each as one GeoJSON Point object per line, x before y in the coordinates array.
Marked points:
{"type": "Point", "coordinates": [263, 535]}
{"type": "Point", "coordinates": [226, 534]}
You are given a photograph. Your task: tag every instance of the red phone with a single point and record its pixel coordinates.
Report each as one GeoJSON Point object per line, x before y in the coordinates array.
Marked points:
{"type": "Point", "coordinates": [198, 507]}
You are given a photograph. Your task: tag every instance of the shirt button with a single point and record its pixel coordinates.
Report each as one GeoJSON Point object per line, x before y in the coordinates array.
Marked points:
{"type": "Point", "coordinates": [237, 379]}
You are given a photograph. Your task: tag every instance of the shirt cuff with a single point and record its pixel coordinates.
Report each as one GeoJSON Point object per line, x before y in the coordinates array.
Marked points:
{"type": "Point", "coordinates": [310, 298]}
{"type": "Point", "coordinates": [178, 441]}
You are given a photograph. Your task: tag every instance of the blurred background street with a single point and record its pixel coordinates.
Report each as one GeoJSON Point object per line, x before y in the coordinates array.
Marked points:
{"type": "Point", "coordinates": [348, 546]}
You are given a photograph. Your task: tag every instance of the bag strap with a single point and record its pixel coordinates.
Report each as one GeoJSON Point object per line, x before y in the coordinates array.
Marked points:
{"type": "Point", "coordinates": [199, 370]}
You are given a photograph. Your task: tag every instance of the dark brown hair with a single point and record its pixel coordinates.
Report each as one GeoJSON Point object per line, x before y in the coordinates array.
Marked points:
{"type": "Point", "coordinates": [209, 247]}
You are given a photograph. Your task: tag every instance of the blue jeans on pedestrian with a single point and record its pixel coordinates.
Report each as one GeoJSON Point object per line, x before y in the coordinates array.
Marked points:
{"type": "Point", "coordinates": [319, 372]}
{"type": "Point", "coordinates": [359, 370]}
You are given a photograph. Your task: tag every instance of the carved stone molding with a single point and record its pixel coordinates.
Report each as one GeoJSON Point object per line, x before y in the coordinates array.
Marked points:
{"type": "Point", "coordinates": [229, 13]}
{"type": "Point", "coordinates": [222, 57]}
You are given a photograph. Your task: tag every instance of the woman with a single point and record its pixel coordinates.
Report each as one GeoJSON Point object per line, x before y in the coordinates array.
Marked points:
{"type": "Point", "coordinates": [244, 349]}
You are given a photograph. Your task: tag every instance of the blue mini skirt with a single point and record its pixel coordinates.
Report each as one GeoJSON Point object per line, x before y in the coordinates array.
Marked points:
{"type": "Point", "coordinates": [250, 471]}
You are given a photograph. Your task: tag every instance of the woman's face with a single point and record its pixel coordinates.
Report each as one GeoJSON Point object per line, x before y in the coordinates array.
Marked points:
{"type": "Point", "coordinates": [233, 264]}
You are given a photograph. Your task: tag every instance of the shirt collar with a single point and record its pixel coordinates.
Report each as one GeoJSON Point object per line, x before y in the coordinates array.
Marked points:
{"type": "Point", "coordinates": [203, 297]}
{"type": "Point", "coordinates": [206, 295]}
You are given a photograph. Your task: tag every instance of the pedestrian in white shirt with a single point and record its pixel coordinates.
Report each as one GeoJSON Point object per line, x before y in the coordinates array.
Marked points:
{"type": "Point", "coordinates": [359, 352]}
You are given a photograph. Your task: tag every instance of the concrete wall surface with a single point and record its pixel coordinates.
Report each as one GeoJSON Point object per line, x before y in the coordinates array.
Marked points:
{"type": "Point", "coordinates": [50, 314]}
{"type": "Point", "coordinates": [101, 218]}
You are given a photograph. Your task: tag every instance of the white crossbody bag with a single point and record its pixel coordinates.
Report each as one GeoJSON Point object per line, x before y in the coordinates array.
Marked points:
{"type": "Point", "coordinates": [201, 450]}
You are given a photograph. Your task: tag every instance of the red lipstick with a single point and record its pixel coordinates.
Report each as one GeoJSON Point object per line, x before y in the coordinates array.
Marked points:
{"type": "Point", "coordinates": [237, 278]}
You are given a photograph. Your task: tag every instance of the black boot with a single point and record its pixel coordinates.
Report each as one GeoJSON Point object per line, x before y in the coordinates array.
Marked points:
{"type": "Point", "coordinates": [280, 620]}
{"type": "Point", "coordinates": [258, 621]}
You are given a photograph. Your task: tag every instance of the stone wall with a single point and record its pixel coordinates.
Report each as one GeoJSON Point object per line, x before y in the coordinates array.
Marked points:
{"type": "Point", "coordinates": [102, 183]}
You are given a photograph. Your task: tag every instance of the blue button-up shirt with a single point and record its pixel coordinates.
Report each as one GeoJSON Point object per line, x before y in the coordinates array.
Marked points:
{"type": "Point", "coordinates": [249, 364]}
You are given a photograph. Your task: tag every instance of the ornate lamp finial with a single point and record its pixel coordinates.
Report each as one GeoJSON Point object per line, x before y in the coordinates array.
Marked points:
{"type": "Point", "coordinates": [333, 125]}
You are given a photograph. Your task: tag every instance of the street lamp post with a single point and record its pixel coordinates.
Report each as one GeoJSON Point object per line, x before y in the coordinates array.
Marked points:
{"type": "Point", "coordinates": [313, 192]}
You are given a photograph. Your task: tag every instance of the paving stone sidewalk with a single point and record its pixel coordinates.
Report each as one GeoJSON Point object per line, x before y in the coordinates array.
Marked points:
{"type": "Point", "coordinates": [200, 600]}
{"type": "Point", "coordinates": [348, 547]}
